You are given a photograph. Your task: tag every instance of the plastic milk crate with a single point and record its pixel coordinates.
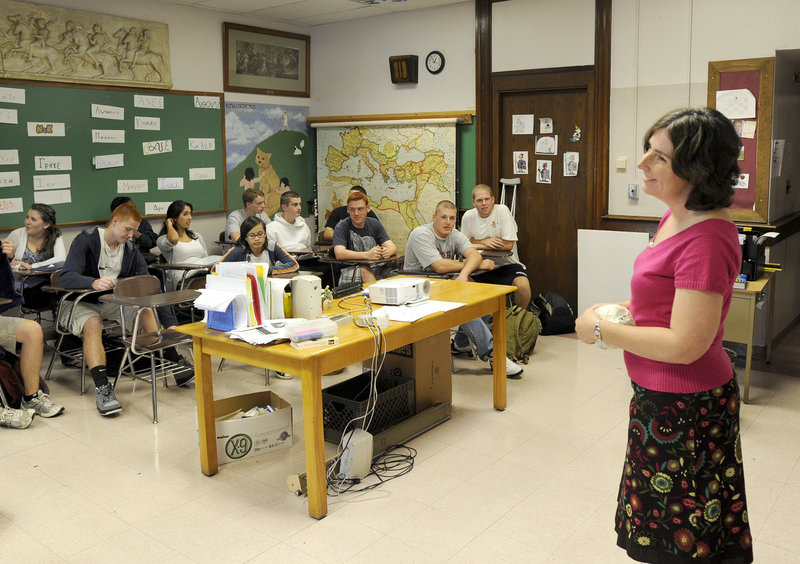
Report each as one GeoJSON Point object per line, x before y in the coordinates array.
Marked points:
{"type": "Point", "coordinates": [347, 400]}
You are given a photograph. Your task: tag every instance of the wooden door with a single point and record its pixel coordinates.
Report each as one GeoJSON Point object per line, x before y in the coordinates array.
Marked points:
{"type": "Point", "coordinates": [548, 215]}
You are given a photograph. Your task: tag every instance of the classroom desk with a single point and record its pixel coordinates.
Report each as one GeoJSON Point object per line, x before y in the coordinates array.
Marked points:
{"type": "Point", "coordinates": [356, 345]}
{"type": "Point", "coordinates": [186, 267]}
{"type": "Point", "coordinates": [740, 323]}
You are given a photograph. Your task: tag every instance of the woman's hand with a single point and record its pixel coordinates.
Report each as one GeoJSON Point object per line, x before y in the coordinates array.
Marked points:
{"type": "Point", "coordinates": [584, 325]}
{"type": "Point", "coordinates": [20, 265]}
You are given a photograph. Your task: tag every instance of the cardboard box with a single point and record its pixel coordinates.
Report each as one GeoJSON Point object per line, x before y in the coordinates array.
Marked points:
{"type": "Point", "coordinates": [243, 438]}
{"type": "Point", "coordinates": [428, 363]}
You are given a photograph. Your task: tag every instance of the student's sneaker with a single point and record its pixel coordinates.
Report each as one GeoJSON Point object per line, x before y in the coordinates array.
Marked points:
{"type": "Point", "coordinates": [283, 375]}
{"type": "Point", "coordinates": [16, 418]}
{"type": "Point", "coordinates": [455, 350]}
{"type": "Point", "coordinates": [107, 402]}
{"type": "Point", "coordinates": [42, 405]}
{"type": "Point", "coordinates": [185, 373]}
{"type": "Point", "coordinates": [513, 370]}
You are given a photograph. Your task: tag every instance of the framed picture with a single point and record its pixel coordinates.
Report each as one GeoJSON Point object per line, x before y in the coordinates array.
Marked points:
{"type": "Point", "coordinates": [265, 61]}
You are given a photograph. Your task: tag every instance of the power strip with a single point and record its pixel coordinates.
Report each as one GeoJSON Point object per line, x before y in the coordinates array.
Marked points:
{"type": "Point", "coordinates": [373, 320]}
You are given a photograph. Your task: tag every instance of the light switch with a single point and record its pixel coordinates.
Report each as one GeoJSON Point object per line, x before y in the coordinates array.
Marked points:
{"type": "Point", "coordinates": [622, 163]}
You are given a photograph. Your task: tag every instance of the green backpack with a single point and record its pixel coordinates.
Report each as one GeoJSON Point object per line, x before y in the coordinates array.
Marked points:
{"type": "Point", "coordinates": [522, 330]}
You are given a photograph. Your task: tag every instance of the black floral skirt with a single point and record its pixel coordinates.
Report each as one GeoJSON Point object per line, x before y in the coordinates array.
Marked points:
{"type": "Point", "coordinates": [682, 494]}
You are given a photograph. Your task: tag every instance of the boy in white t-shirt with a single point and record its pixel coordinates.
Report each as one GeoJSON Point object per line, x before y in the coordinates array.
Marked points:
{"type": "Point", "coordinates": [491, 226]}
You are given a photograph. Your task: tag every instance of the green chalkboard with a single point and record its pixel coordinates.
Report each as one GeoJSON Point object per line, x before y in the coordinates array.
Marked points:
{"type": "Point", "coordinates": [170, 143]}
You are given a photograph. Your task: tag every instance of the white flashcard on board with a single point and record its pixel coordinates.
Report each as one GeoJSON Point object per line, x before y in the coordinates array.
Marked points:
{"type": "Point", "coordinates": [196, 144]}
{"type": "Point", "coordinates": [175, 183]}
{"type": "Point", "coordinates": [51, 181]}
{"type": "Point", "coordinates": [151, 102]}
{"type": "Point", "coordinates": [523, 124]}
{"type": "Point", "coordinates": [202, 173]}
{"type": "Point", "coordinates": [11, 205]}
{"type": "Point", "coordinates": [12, 95]}
{"type": "Point", "coordinates": [8, 115]}
{"type": "Point", "coordinates": [147, 123]}
{"type": "Point", "coordinates": [157, 147]}
{"type": "Point", "coordinates": [9, 157]}
{"type": "Point", "coordinates": [51, 197]}
{"type": "Point", "coordinates": [45, 129]}
{"type": "Point", "coordinates": [108, 112]}
{"type": "Point", "coordinates": [736, 104]}
{"type": "Point", "coordinates": [108, 161]}
{"type": "Point", "coordinates": [10, 178]}
{"type": "Point", "coordinates": [108, 136]}
{"type": "Point", "coordinates": [131, 186]}
{"type": "Point", "coordinates": [207, 102]}
{"type": "Point", "coordinates": [51, 163]}
{"type": "Point", "coordinates": [156, 208]}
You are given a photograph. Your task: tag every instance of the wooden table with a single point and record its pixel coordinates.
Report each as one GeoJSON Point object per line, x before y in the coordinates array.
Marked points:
{"type": "Point", "coordinates": [740, 323]}
{"type": "Point", "coordinates": [356, 345]}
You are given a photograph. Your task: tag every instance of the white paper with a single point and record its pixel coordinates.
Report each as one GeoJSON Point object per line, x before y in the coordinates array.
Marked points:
{"type": "Point", "coordinates": [45, 129]}
{"type": "Point", "coordinates": [108, 136]}
{"type": "Point", "coordinates": [522, 124]}
{"type": "Point", "coordinates": [202, 173]}
{"type": "Point", "coordinates": [144, 101]}
{"type": "Point", "coordinates": [214, 300]}
{"type": "Point", "coordinates": [11, 205]}
{"type": "Point", "coordinates": [777, 156]}
{"type": "Point", "coordinates": [10, 178]}
{"type": "Point", "coordinates": [172, 183]}
{"type": "Point", "coordinates": [207, 102]}
{"type": "Point", "coordinates": [277, 286]}
{"type": "Point", "coordinates": [736, 104]}
{"type": "Point", "coordinates": [147, 123]}
{"type": "Point", "coordinates": [545, 125]}
{"type": "Point", "coordinates": [266, 333]}
{"type": "Point", "coordinates": [53, 197]}
{"type": "Point", "coordinates": [108, 161]}
{"type": "Point", "coordinates": [409, 313]}
{"type": "Point", "coordinates": [157, 147]}
{"type": "Point", "coordinates": [9, 157]}
{"type": "Point", "coordinates": [7, 115]}
{"type": "Point", "coordinates": [201, 144]}
{"type": "Point", "coordinates": [52, 163]}
{"type": "Point", "coordinates": [108, 112]}
{"type": "Point", "coordinates": [156, 208]}
{"type": "Point", "coordinates": [51, 181]}
{"type": "Point", "coordinates": [12, 95]}
{"type": "Point", "coordinates": [131, 186]}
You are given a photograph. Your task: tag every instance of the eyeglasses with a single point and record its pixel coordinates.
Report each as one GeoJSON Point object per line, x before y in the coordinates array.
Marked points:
{"type": "Point", "coordinates": [253, 236]}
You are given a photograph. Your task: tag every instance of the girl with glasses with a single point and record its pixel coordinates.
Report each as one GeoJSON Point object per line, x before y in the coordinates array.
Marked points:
{"type": "Point", "coordinates": [253, 247]}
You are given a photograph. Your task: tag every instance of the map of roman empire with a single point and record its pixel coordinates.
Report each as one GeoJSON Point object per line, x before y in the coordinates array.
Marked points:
{"type": "Point", "coordinates": [405, 169]}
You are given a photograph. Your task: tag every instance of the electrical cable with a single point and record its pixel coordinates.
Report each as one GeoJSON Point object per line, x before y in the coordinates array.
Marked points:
{"type": "Point", "coordinates": [386, 467]}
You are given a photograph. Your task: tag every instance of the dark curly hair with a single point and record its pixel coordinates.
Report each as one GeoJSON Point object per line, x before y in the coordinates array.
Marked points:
{"type": "Point", "coordinates": [706, 154]}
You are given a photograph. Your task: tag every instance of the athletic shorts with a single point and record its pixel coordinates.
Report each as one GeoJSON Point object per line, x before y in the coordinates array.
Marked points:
{"type": "Point", "coordinates": [504, 274]}
{"type": "Point", "coordinates": [102, 310]}
{"type": "Point", "coordinates": [8, 332]}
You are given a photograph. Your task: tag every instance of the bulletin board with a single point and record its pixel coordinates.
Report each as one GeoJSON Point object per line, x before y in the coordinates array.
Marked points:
{"type": "Point", "coordinates": [77, 148]}
{"type": "Point", "coordinates": [750, 204]}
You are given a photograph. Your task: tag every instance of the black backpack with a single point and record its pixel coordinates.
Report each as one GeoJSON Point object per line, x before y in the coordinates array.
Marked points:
{"type": "Point", "coordinates": [555, 314]}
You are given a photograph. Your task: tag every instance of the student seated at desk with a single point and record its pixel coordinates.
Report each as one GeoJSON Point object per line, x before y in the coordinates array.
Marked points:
{"type": "Point", "coordinates": [433, 247]}
{"type": "Point", "coordinates": [253, 247]}
{"type": "Point", "coordinates": [37, 245]}
{"type": "Point", "coordinates": [144, 237]}
{"type": "Point", "coordinates": [288, 227]}
{"type": "Point", "coordinates": [254, 204]}
{"type": "Point", "coordinates": [340, 213]}
{"type": "Point", "coordinates": [96, 259]}
{"type": "Point", "coordinates": [491, 226]}
{"type": "Point", "coordinates": [360, 237]}
{"type": "Point", "coordinates": [179, 244]}
{"type": "Point", "coordinates": [28, 335]}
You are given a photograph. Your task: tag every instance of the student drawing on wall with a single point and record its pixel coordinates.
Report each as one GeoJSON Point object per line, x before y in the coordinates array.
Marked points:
{"type": "Point", "coordinates": [250, 180]}
{"type": "Point", "coordinates": [544, 172]}
{"type": "Point", "coordinates": [521, 164]}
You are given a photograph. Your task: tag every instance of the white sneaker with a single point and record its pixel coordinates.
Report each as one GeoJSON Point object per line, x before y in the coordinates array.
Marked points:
{"type": "Point", "coordinates": [16, 418]}
{"type": "Point", "coordinates": [513, 370]}
{"type": "Point", "coordinates": [42, 405]}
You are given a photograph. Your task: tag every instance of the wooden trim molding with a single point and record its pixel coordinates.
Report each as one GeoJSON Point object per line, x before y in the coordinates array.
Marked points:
{"type": "Point", "coordinates": [461, 116]}
{"type": "Point", "coordinates": [602, 85]}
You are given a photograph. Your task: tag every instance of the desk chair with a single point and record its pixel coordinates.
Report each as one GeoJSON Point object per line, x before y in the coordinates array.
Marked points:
{"type": "Point", "coordinates": [63, 321]}
{"type": "Point", "coordinates": [147, 345]}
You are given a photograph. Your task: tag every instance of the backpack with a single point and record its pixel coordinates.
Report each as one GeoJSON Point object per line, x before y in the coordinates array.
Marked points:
{"type": "Point", "coordinates": [522, 330]}
{"type": "Point", "coordinates": [555, 314]}
{"type": "Point", "coordinates": [11, 380]}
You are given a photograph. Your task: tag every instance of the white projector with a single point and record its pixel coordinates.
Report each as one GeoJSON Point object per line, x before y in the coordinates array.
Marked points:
{"type": "Point", "coordinates": [399, 291]}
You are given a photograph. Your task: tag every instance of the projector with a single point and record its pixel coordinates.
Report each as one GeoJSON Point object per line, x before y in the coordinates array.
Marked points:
{"type": "Point", "coordinates": [399, 291]}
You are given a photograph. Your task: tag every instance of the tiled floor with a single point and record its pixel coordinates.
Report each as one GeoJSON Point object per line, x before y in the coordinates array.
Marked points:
{"type": "Point", "coordinates": [536, 483]}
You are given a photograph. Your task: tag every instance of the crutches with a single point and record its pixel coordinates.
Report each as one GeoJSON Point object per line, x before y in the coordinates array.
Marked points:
{"type": "Point", "coordinates": [513, 183]}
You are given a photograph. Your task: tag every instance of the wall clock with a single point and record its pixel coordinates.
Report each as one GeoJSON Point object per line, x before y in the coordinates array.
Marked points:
{"type": "Point", "coordinates": [434, 62]}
